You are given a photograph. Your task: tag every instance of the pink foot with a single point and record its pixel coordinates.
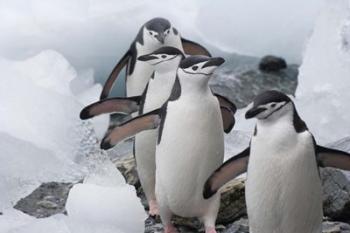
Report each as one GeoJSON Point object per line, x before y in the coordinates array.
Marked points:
{"type": "Point", "coordinates": [153, 208]}
{"type": "Point", "coordinates": [210, 230]}
{"type": "Point", "coordinates": [170, 229]}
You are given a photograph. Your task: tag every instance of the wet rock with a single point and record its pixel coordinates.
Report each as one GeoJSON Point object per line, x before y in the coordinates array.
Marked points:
{"type": "Point", "coordinates": [232, 205]}
{"type": "Point", "coordinates": [335, 227]}
{"type": "Point", "coordinates": [336, 194]}
{"type": "Point", "coordinates": [240, 80]}
{"type": "Point", "coordinates": [48, 199]}
{"type": "Point", "coordinates": [272, 63]}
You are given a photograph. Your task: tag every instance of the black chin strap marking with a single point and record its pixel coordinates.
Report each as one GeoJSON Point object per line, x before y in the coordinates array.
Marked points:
{"type": "Point", "coordinates": [275, 111]}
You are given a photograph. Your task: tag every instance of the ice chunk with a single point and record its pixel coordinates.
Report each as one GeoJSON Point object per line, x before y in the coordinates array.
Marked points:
{"type": "Point", "coordinates": [25, 166]}
{"type": "Point", "coordinates": [116, 207]}
{"type": "Point", "coordinates": [323, 92]}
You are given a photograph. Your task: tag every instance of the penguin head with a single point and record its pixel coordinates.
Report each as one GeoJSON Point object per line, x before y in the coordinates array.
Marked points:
{"type": "Point", "coordinates": [270, 105]}
{"type": "Point", "coordinates": [157, 31]}
{"type": "Point", "coordinates": [199, 67]}
{"type": "Point", "coordinates": [163, 59]}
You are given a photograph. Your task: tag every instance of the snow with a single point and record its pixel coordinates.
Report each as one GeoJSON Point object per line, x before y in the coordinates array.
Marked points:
{"type": "Point", "coordinates": [323, 92]}
{"type": "Point", "coordinates": [42, 139]}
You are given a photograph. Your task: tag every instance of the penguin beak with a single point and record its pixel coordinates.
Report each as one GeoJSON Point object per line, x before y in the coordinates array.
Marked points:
{"type": "Point", "coordinates": [161, 37]}
{"type": "Point", "coordinates": [253, 112]}
{"type": "Point", "coordinates": [215, 61]}
{"type": "Point", "coordinates": [147, 57]}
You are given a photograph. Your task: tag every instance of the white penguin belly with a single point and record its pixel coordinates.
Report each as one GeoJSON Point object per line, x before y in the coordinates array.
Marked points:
{"type": "Point", "coordinates": [283, 189]}
{"type": "Point", "coordinates": [191, 148]}
{"type": "Point", "coordinates": [137, 81]}
{"type": "Point", "coordinates": [158, 92]}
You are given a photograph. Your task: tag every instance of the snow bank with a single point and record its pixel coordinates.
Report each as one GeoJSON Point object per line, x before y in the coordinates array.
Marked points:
{"type": "Point", "coordinates": [323, 93]}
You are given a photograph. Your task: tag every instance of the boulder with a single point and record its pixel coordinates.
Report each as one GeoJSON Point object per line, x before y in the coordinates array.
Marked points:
{"type": "Point", "coordinates": [240, 80]}
{"type": "Point", "coordinates": [272, 63]}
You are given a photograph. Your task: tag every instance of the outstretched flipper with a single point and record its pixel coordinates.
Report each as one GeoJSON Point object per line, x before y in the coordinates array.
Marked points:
{"type": "Point", "coordinates": [112, 105]}
{"type": "Point", "coordinates": [128, 129]}
{"type": "Point", "coordinates": [192, 48]}
{"type": "Point", "coordinates": [113, 76]}
{"type": "Point", "coordinates": [226, 172]}
{"type": "Point", "coordinates": [228, 110]}
{"type": "Point", "coordinates": [327, 157]}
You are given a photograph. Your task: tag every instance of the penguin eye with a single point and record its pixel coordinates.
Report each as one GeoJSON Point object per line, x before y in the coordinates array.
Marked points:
{"type": "Point", "coordinates": [151, 33]}
{"type": "Point", "coordinates": [273, 105]}
{"type": "Point", "coordinates": [163, 56]}
{"type": "Point", "coordinates": [194, 67]}
{"type": "Point", "coordinates": [167, 31]}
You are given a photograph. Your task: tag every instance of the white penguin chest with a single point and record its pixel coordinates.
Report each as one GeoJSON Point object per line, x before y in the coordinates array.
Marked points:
{"type": "Point", "coordinates": [191, 148]}
{"type": "Point", "coordinates": [159, 89]}
{"type": "Point", "coordinates": [283, 189]}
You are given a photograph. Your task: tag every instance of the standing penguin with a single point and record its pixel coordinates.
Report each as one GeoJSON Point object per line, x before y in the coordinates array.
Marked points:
{"type": "Point", "coordinates": [283, 188]}
{"type": "Point", "coordinates": [154, 34]}
{"type": "Point", "coordinates": [190, 143]}
{"type": "Point", "coordinates": [165, 61]}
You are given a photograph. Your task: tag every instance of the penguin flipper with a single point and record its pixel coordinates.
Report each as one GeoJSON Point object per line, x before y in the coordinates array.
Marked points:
{"type": "Point", "coordinates": [113, 76]}
{"type": "Point", "coordinates": [328, 157]}
{"type": "Point", "coordinates": [228, 110]}
{"type": "Point", "coordinates": [113, 105]}
{"type": "Point", "coordinates": [226, 172]}
{"type": "Point", "coordinates": [193, 48]}
{"type": "Point", "coordinates": [128, 129]}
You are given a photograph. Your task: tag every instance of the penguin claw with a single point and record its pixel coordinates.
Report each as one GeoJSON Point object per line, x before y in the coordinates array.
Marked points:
{"type": "Point", "coordinates": [153, 208]}
{"type": "Point", "coordinates": [210, 230]}
{"type": "Point", "coordinates": [170, 229]}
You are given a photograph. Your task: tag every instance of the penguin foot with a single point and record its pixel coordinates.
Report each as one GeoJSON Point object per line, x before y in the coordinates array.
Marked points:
{"type": "Point", "coordinates": [153, 208]}
{"type": "Point", "coordinates": [169, 228]}
{"type": "Point", "coordinates": [210, 230]}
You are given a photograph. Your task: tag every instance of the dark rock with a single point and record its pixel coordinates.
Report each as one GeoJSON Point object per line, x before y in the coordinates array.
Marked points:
{"type": "Point", "coordinates": [48, 199]}
{"type": "Point", "coordinates": [240, 80]}
{"type": "Point", "coordinates": [272, 64]}
{"type": "Point", "coordinates": [335, 227]}
{"type": "Point", "coordinates": [336, 195]}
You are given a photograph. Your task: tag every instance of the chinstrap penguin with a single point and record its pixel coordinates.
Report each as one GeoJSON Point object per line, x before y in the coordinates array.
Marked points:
{"type": "Point", "coordinates": [166, 61]}
{"type": "Point", "coordinates": [183, 165]}
{"type": "Point", "coordinates": [283, 188]}
{"type": "Point", "coordinates": [155, 33]}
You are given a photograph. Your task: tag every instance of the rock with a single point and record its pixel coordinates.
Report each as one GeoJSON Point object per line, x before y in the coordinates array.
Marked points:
{"type": "Point", "coordinates": [232, 204]}
{"type": "Point", "coordinates": [241, 226]}
{"type": "Point", "coordinates": [242, 82]}
{"type": "Point", "coordinates": [48, 199]}
{"type": "Point", "coordinates": [336, 194]}
{"type": "Point", "coordinates": [336, 187]}
{"type": "Point", "coordinates": [335, 227]}
{"type": "Point", "coordinates": [272, 64]}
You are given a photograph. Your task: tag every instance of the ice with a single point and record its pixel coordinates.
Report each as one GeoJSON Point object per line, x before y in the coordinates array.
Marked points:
{"type": "Point", "coordinates": [323, 92]}
{"type": "Point", "coordinates": [259, 27]}
{"type": "Point", "coordinates": [103, 206]}
{"type": "Point", "coordinates": [96, 34]}
{"type": "Point", "coordinates": [42, 139]}
{"type": "Point", "coordinates": [25, 166]}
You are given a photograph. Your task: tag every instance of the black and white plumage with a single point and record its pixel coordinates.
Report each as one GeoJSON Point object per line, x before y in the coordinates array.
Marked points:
{"type": "Point", "coordinates": [183, 161]}
{"type": "Point", "coordinates": [283, 188]}
{"type": "Point", "coordinates": [154, 34]}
